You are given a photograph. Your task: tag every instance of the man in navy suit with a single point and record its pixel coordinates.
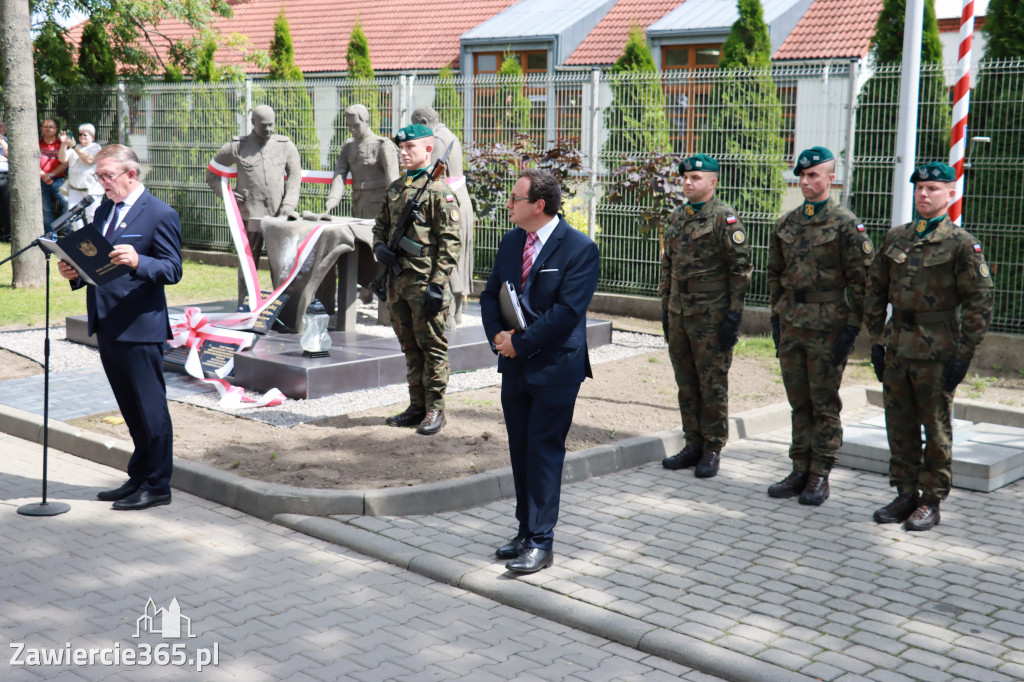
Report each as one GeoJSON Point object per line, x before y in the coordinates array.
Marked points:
{"type": "Point", "coordinates": [129, 317]}
{"type": "Point", "coordinates": [554, 270]}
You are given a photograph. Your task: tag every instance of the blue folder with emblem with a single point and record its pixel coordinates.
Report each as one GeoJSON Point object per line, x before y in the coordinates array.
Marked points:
{"type": "Point", "coordinates": [88, 252]}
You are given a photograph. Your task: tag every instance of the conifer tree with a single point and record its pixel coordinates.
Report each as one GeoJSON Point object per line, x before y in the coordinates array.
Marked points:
{"type": "Point", "coordinates": [361, 88]}
{"type": "Point", "coordinates": [745, 121]}
{"type": "Point", "coordinates": [636, 120]}
{"type": "Point", "coordinates": [512, 106]}
{"type": "Point", "coordinates": [95, 58]}
{"type": "Point", "coordinates": [55, 72]}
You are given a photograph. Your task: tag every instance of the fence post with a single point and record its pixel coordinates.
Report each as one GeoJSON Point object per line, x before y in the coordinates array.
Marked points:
{"type": "Point", "coordinates": [122, 102]}
{"type": "Point", "coordinates": [595, 116]}
{"type": "Point", "coordinates": [243, 127]}
{"type": "Point", "coordinates": [851, 132]}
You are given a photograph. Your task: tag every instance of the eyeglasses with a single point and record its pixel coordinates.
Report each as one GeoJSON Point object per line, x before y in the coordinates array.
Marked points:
{"type": "Point", "coordinates": [513, 198]}
{"type": "Point", "coordinates": [109, 177]}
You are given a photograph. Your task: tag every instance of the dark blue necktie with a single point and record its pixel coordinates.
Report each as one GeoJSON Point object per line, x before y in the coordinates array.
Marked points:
{"type": "Point", "coordinates": [112, 225]}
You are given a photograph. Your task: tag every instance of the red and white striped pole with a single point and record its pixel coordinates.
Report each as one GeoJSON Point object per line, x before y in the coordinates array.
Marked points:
{"type": "Point", "coordinates": [961, 105]}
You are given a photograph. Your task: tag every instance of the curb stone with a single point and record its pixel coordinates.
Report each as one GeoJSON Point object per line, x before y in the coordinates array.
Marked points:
{"type": "Point", "coordinates": [522, 595]}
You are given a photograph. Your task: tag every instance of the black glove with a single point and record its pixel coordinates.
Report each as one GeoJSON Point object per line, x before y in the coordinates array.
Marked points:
{"type": "Point", "coordinates": [729, 332]}
{"type": "Point", "coordinates": [953, 373]}
{"type": "Point", "coordinates": [432, 299]}
{"type": "Point", "coordinates": [878, 361]}
{"type": "Point", "coordinates": [664, 322]}
{"type": "Point", "coordinates": [844, 344]}
{"type": "Point", "coordinates": [776, 332]}
{"type": "Point", "coordinates": [384, 255]}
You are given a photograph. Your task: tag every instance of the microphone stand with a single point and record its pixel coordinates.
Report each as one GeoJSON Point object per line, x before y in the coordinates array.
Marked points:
{"type": "Point", "coordinates": [43, 508]}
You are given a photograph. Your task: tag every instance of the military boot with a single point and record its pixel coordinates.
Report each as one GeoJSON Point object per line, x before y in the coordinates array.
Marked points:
{"type": "Point", "coordinates": [707, 467]}
{"type": "Point", "coordinates": [899, 510]}
{"type": "Point", "coordinates": [791, 485]}
{"type": "Point", "coordinates": [816, 490]}
{"type": "Point", "coordinates": [684, 459]}
{"type": "Point", "coordinates": [925, 517]}
{"type": "Point", "coordinates": [411, 417]}
{"type": "Point", "coordinates": [432, 423]}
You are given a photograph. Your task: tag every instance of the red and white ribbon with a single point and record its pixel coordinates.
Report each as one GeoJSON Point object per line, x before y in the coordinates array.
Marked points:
{"type": "Point", "coordinates": [961, 107]}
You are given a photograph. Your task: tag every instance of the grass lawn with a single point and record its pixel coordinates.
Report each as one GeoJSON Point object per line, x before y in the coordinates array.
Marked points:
{"type": "Point", "coordinates": [26, 307]}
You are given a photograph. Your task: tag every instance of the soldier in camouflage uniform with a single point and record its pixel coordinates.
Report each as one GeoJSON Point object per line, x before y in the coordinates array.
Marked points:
{"type": "Point", "coordinates": [262, 160]}
{"type": "Point", "coordinates": [818, 258]}
{"type": "Point", "coordinates": [419, 297]}
{"type": "Point", "coordinates": [926, 269]}
{"type": "Point", "coordinates": [705, 271]}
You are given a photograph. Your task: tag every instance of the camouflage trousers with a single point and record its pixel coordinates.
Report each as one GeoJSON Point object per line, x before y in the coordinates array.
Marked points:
{"type": "Point", "coordinates": [702, 375]}
{"type": "Point", "coordinates": [812, 387]}
{"type": "Point", "coordinates": [913, 396]}
{"type": "Point", "coordinates": [422, 340]}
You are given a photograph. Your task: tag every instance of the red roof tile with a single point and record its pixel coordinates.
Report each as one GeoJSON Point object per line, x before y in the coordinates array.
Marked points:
{"type": "Point", "coordinates": [832, 29]}
{"type": "Point", "coordinates": [604, 44]}
{"type": "Point", "coordinates": [321, 29]}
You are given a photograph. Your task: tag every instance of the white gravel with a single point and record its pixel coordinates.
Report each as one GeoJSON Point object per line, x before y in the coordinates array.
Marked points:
{"type": "Point", "coordinates": [66, 355]}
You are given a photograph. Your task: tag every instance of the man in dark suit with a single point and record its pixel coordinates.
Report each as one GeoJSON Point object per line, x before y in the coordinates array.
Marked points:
{"type": "Point", "coordinates": [554, 270]}
{"type": "Point", "coordinates": [129, 317]}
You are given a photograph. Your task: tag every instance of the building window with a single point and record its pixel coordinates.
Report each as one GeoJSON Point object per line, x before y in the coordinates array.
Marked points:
{"type": "Point", "coordinates": [687, 102]}
{"type": "Point", "coordinates": [531, 61]}
{"type": "Point", "coordinates": [488, 112]}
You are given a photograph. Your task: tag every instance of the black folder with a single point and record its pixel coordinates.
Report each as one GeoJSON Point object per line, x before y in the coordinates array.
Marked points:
{"type": "Point", "coordinates": [511, 310]}
{"type": "Point", "coordinates": [88, 252]}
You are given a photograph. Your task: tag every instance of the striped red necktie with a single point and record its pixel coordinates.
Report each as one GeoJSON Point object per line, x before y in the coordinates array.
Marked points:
{"type": "Point", "coordinates": [531, 241]}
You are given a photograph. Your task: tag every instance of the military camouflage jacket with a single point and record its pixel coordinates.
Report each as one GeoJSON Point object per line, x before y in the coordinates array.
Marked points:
{"type": "Point", "coordinates": [816, 256]}
{"type": "Point", "coordinates": [440, 234]}
{"type": "Point", "coordinates": [709, 245]}
{"type": "Point", "coordinates": [940, 272]}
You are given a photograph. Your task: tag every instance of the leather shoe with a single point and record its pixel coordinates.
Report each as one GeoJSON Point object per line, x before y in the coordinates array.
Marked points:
{"type": "Point", "coordinates": [124, 491]}
{"type": "Point", "coordinates": [432, 423]}
{"type": "Point", "coordinates": [791, 485]}
{"type": "Point", "coordinates": [816, 491]}
{"type": "Point", "coordinates": [899, 510]}
{"type": "Point", "coordinates": [142, 499]}
{"type": "Point", "coordinates": [512, 549]}
{"type": "Point", "coordinates": [411, 417]}
{"type": "Point", "coordinates": [707, 467]}
{"type": "Point", "coordinates": [531, 561]}
{"type": "Point", "coordinates": [926, 516]}
{"type": "Point", "coordinates": [684, 459]}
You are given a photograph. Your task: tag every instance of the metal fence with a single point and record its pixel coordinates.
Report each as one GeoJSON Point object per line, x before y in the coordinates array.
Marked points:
{"type": "Point", "coordinates": [754, 122]}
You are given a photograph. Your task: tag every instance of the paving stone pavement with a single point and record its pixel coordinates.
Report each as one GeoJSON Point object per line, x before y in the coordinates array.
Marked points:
{"type": "Point", "coordinates": [277, 604]}
{"type": "Point", "coordinates": [824, 592]}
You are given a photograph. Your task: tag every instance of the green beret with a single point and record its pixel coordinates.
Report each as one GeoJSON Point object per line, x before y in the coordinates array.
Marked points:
{"type": "Point", "coordinates": [413, 132]}
{"type": "Point", "coordinates": [698, 162]}
{"type": "Point", "coordinates": [811, 157]}
{"type": "Point", "coordinates": [936, 171]}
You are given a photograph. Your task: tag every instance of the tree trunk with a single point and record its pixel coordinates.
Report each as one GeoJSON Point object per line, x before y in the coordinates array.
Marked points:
{"type": "Point", "coordinates": [23, 141]}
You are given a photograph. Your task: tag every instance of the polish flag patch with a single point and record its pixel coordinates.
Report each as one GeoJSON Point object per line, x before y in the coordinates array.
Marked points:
{"type": "Point", "coordinates": [860, 227]}
{"type": "Point", "coordinates": [731, 219]}
{"type": "Point", "coordinates": [977, 248]}
{"type": "Point", "coordinates": [449, 198]}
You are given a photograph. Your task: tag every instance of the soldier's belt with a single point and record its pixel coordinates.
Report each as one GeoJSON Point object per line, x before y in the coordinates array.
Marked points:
{"type": "Point", "coordinates": [691, 287]}
{"type": "Point", "coordinates": [923, 317]}
{"type": "Point", "coordinates": [817, 296]}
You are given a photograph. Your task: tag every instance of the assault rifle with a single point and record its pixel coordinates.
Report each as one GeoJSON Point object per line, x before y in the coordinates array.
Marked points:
{"type": "Point", "coordinates": [411, 213]}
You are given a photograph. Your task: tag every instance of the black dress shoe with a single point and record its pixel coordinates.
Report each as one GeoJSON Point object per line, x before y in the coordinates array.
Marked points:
{"type": "Point", "coordinates": [816, 491]}
{"type": "Point", "coordinates": [899, 510]}
{"type": "Point", "coordinates": [512, 549]}
{"type": "Point", "coordinates": [411, 417]}
{"type": "Point", "coordinates": [684, 459]}
{"type": "Point", "coordinates": [124, 491]}
{"type": "Point", "coordinates": [925, 517]}
{"type": "Point", "coordinates": [791, 485]}
{"type": "Point", "coordinates": [531, 561]}
{"type": "Point", "coordinates": [142, 499]}
{"type": "Point", "coordinates": [707, 467]}
{"type": "Point", "coordinates": [432, 423]}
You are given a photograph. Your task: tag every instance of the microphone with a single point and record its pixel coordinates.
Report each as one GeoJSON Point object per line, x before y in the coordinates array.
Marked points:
{"type": "Point", "coordinates": [72, 215]}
